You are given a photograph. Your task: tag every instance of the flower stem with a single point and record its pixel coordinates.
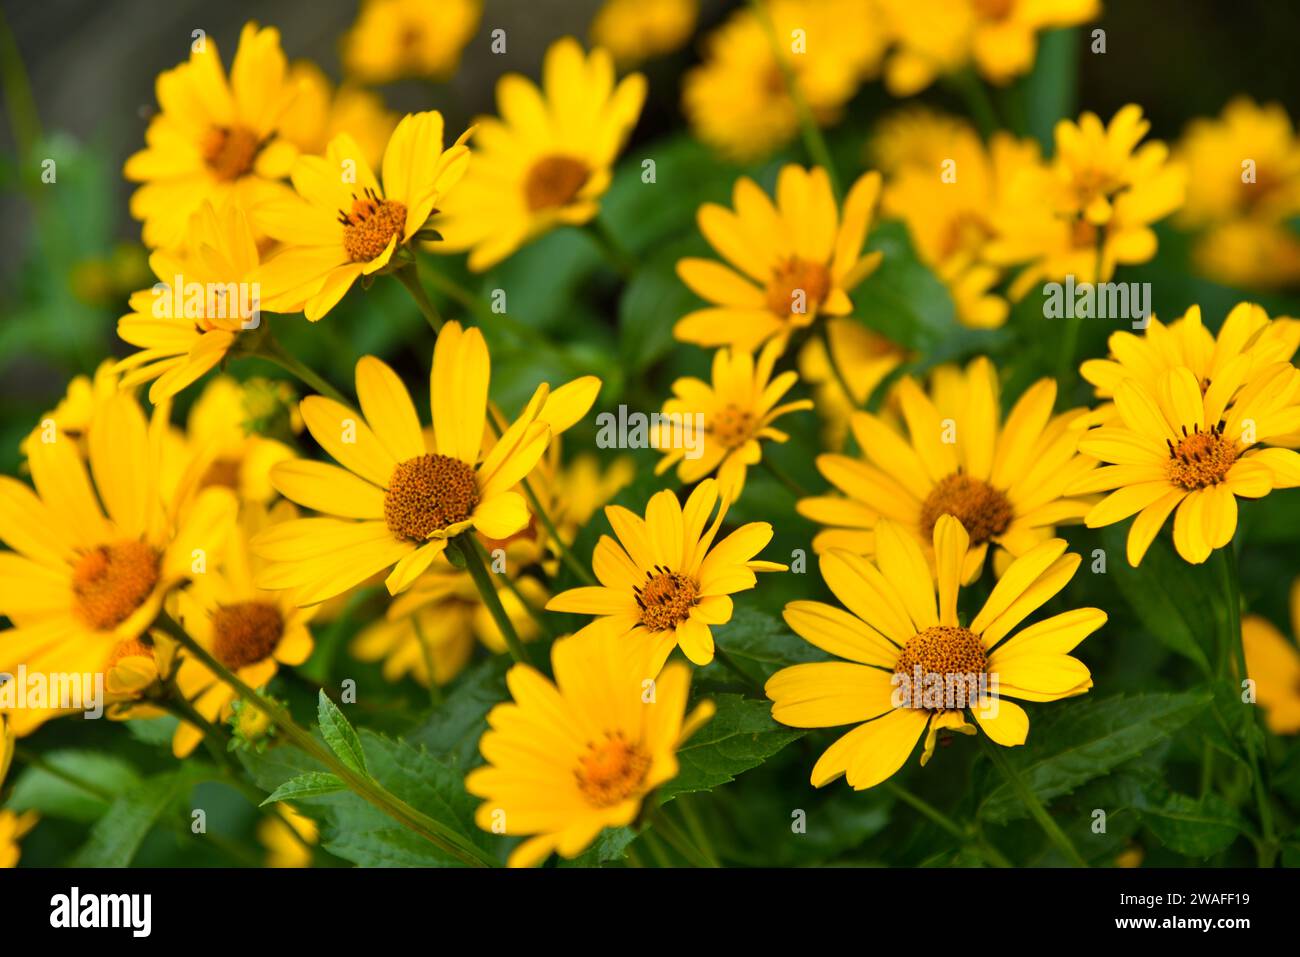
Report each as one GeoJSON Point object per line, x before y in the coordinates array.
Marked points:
{"type": "Point", "coordinates": [925, 808]}
{"type": "Point", "coordinates": [1032, 804]}
{"type": "Point", "coordinates": [778, 473]}
{"type": "Point", "coordinates": [371, 790]}
{"type": "Point", "coordinates": [968, 84]}
{"type": "Point", "coordinates": [409, 277]}
{"type": "Point", "coordinates": [271, 350]}
{"type": "Point", "coordinates": [488, 591]}
{"type": "Point", "coordinates": [535, 613]}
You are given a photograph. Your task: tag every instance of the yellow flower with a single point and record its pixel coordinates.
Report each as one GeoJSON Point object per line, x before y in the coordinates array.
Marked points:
{"type": "Point", "coordinates": [287, 839]}
{"type": "Point", "coordinates": [1246, 332]}
{"type": "Point", "coordinates": [399, 496]}
{"type": "Point", "coordinates": [71, 417]}
{"type": "Point", "coordinates": [944, 189]}
{"type": "Point", "coordinates": [894, 633]}
{"type": "Point", "coordinates": [637, 30]}
{"type": "Point", "coordinates": [547, 161]}
{"type": "Point", "coordinates": [344, 225]}
{"type": "Point", "coordinates": [215, 139]}
{"type": "Point", "coordinates": [409, 39]}
{"type": "Point", "coordinates": [1274, 664]}
{"type": "Point", "coordinates": [863, 357]}
{"type": "Point", "coordinates": [1175, 446]}
{"type": "Point", "coordinates": [739, 408]}
{"type": "Point", "coordinates": [738, 101]}
{"type": "Point", "coordinates": [13, 826]}
{"type": "Point", "coordinates": [321, 113]}
{"type": "Point", "coordinates": [664, 582]}
{"type": "Point", "coordinates": [1243, 186]}
{"type": "Point", "coordinates": [1092, 207]}
{"type": "Point", "coordinates": [205, 297]}
{"type": "Point", "coordinates": [1005, 479]}
{"type": "Point", "coordinates": [433, 624]}
{"type": "Point", "coordinates": [79, 584]}
{"type": "Point", "coordinates": [568, 759]}
{"type": "Point", "coordinates": [940, 37]}
{"type": "Point", "coordinates": [250, 631]}
{"type": "Point", "coordinates": [787, 263]}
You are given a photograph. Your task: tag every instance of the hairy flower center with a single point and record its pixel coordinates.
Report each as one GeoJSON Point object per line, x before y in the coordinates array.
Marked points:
{"type": "Point", "coordinates": [554, 181]}
{"type": "Point", "coordinates": [370, 225]}
{"type": "Point", "coordinates": [230, 152]}
{"type": "Point", "coordinates": [427, 494]}
{"type": "Point", "coordinates": [982, 510]}
{"type": "Point", "coordinates": [611, 770]}
{"type": "Point", "coordinates": [666, 599]}
{"type": "Point", "coordinates": [1200, 459]}
{"type": "Point", "coordinates": [245, 633]}
{"type": "Point", "coordinates": [732, 426]}
{"type": "Point", "coordinates": [797, 287]}
{"type": "Point", "coordinates": [950, 653]}
{"type": "Point", "coordinates": [111, 581]}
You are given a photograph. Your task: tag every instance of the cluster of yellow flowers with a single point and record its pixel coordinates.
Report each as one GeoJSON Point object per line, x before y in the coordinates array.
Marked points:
{"type": "Point", "coordinates": [134, 533]}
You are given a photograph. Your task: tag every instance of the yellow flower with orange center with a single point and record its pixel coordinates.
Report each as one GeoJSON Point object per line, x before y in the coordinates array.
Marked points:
{"type": "Point", "coordinates": [786, 263]}
{"type": "Point", "coordinates": [548, 159]}
{"type": "Point", "coordinates": [912, 667]}
{"type": "Point", "coordinates": [409, 39]}
{"type": "Point", "coordinates": [215, 139]}
{"type": "Point", "coordinates": [666, 581]}
{"type": "Point", "coordinates": [565, 760]}
{"type": "Point", "coordinates": [1273, 663]}
{"type": "Point", "coordinates": [344, 224]}
{"type": "Point", "coordinates": [637, 30]}
{"type": "Point", "coordinates": [321, 112]}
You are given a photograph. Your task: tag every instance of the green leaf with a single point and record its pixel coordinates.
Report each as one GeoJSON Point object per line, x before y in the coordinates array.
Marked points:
{"type": "Point", "coordinates": [452, 731]}
{"type": "Point", "coordinates": [1075, 741]}
{"type": "Point", "coordinates": [340, 735]}
{"type": "Point", "coordinates": [1194, 828]}
{"type": "Point", "coordinates": [1051, 89]}
{"type": "Point", "coordinates": [651, 304]}
{"type": "Point", "coordinates": [740, 736]}
{"type": "Point", "coordinates": [311, 784]}
{"type": "Point", "coordinates": [37, 789]}
{"type": "Point", "coordinates": [609, 848]}
{"type": "Point", "coordinates": [117, 836]}
{"type": "Point", "coordinates": [759, 644]}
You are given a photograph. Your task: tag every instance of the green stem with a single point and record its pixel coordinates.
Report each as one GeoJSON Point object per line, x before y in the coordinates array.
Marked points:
{"type": "Point", "coordinates": [619, 258]}
{"type": "Point", "coordinates": [271, 350]}
{"type": "Point", "coordinates": [372, 791]}
{"type": "Point", "coordinates": [409, 277]}
{"type": "Point", "coordinates": [778, 473]}
{"type": "Point", "coordinates": [535, 613]}
{"type": "Point", "coordinates": [813, 141]}
{"type": "Point", "coordinates": [678, 841]}
{"type": "Point", "coordinates": [925, 808]}
{"type": "Point", "coordinates": [488, 591]}
{"type": "Point", "coordinates": [968, 84]}
{"type": "Point", "coordinates": [834, 364]}
{"type": "Point", "coordinates": [1032, 804]}
{"type": "Point", "coordinates": [695, 828]}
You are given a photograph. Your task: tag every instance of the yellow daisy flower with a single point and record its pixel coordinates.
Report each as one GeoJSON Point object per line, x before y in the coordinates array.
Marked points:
{"type": "Point", "coordinates": [864, 358]}
{"type": "Point", "coordinates": [1246, 332]}
{"type": "Point", "coordinates": [912, 667]}
{"type": "Point", "coordinates": [547, 161]}
{"type": "Point", "coordinates": [1092, 207]}
{"type": "Point", "coordinates": [1274, 664]}
{"type": "Point", "coordinates": [433, 624]}
{"type": "Point", "coordinates": [277, 835]}
{"type": "Point", "coordinates": [80, 583]}
{"type": "Point", "coordinates": [738, 100]}
{"type": "Point", "coordinates": [71, 416]}
{"type": "Point", "coordinates": [344, 225]}
{"type": "Point", "coordinates": [321, 113]}
{"type": "Point", "coordinates": [1005, 479]}
{"type": "Point", "coordinates": [1243, 186]}
{"type": "Point", "coordinates": [739, 407]}
{"type": "Point", "coordinates": [634, 31]}
{"type": "Point", "coordinates": [665, 582]}
{"type": "Point", "coordinates": [13, 826]}
{"type": "Point", "coordinates": [250, 631]}
{"type": "Point", "coordinates": [409, 39]}
{"type": "Point", "coordinates": [570, 758]}
{"type": "Point", "coordinates": [215, 139]}
{"type": "Point", "coordinates": [206, 296]}
{"type": "Point", "coordinates": [399, 496]}
{"type": "Point", "coordinates": [1175, 446]}
{"type": "Point", "coordinates": [940, 37]}
{"type": "Point", "coordinates": [787, 263]}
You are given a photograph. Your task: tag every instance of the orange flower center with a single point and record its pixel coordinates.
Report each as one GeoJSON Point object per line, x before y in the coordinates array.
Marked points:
{"type": "Point", "coordinates": [1083, 234]}
{"type": "Point", "coordinates": [111, 581]}
{"type": "Point", "coordinates": [797, 288]}
{"type": "Point", "coordinates": [132, 648]}
{"type": "Point", "coordinates": [1200, 459]}
{"type": "Point", "coordinates": [953, 654]}
{"type": "Point", "coordinates": [223, 473]}
{"type": "Point", "coordinates": [994, 9]}
{"type": "Point", "coordinates": [554, 181]}
{"type": "Point", "coordinates": [370, 225]}
{"type": "Point", "coordinates": [230, 152]}
{"type": "Point", "coordinates": [611, 770]}
{"type": "Point", "coordinates": [245, 633]}
{"type": "Point", "coordinates": [982, 510]}
{"type": "Point", "coordinates": [666, 599]}
{"type": "Point", "coordinates": [732, 426]}
{"type": "Point", "coordinates": [427, 494]}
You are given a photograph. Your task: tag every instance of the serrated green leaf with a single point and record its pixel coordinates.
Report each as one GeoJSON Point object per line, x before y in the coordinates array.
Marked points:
{"type": "Point", "coordinates": [1078, 740]}
{"type": "Point", "coordinates": [760, 644]}
{"type": "Point", "coordinates": [1194, 828]}
{"type": "Point", "coordinates": [452, 731]}
{"type": "Point", "coordinates": [117, 836]}
{"type": "Point", "coordinates": [340, 735]}
{"type": "Point", "coordinates": [312, 784]}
